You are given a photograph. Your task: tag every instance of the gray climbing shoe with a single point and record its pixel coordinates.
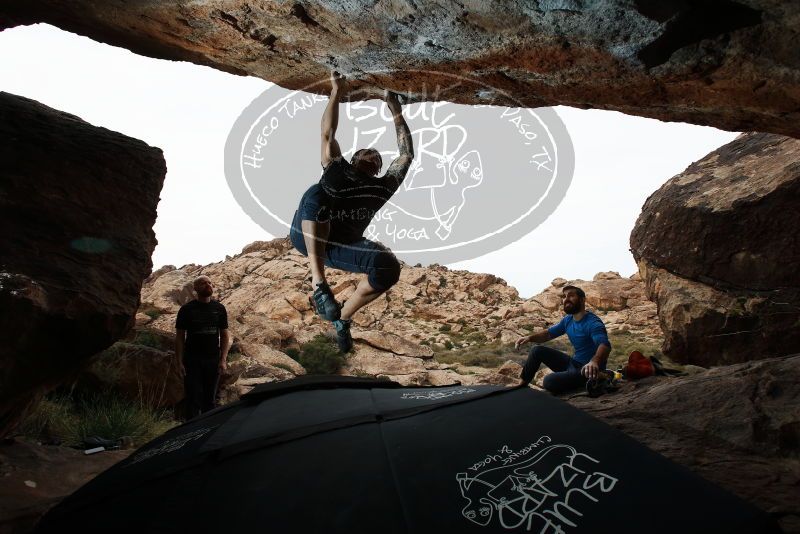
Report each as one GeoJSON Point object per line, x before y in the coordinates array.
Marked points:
{"type": "Point", "coordinates": [325, 303]}
{"type": "Point", "coordinates": [343, 337]}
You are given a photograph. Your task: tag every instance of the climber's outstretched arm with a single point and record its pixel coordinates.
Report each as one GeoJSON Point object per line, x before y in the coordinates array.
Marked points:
{"type": "Point", "coordinates": [330, 120]}
{"type": "Point", "coordinates": [399, 167]}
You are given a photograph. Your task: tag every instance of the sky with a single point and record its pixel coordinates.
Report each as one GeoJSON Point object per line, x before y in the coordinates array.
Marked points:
{"type": "Point", "coordinates": [188, 110]}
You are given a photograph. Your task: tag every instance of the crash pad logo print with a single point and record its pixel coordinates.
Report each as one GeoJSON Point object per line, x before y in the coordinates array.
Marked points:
{"type": "Point", "coordinates": [436, 395]}
{"type": "Point", "coordinates": [483, 176]}
{"type": "Point", "coordinates": [542, 487]}
{"type": "Point", "coordinates": [171, 445]}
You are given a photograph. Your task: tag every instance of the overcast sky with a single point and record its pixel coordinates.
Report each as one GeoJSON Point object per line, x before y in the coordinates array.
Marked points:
{"type": "Point", "coordinates": [188, 110]}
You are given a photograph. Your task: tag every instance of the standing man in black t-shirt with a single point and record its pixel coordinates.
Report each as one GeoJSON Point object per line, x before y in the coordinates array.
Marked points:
{"type": "Point", "coordinates": [333, 214]}
{"type": "Point", "coordinates": [202, 342]}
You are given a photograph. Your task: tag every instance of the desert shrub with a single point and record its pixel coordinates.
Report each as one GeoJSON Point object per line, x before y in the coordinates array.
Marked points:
{"type": "Point", "coordinates": [442, 281]}
{"type": "Point", "coordinates": [320, 356]}
{"type": "Point", "coordinates": [148, 339]}
{"type": "Point", "coordinates": [444, 328]}
{"type": "Point", "coordinates": [476, 337]}
{"type": "Point", "coordinates": [448, 344]}
{"type": "Point", "coordinates": [234, 356]}
{"type": "Point", "coordinates": [283, 366]}
{"type": "Point", "coordinates": [68, 419]}
{"type": "Point", "coordinates": [292, 352]}
{"type": "Point", "coordinates": [53, 420]}
{"type": "Point", "coordinates": [153, 314]}
{"type": "Point", "coordinates": [490, 356]}
{"type": "Point", "coordinates": [111, 417]}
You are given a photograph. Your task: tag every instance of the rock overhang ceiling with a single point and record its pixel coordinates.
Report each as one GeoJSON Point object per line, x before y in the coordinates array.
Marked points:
{"type": "Point", "coordinates": [733, 65]}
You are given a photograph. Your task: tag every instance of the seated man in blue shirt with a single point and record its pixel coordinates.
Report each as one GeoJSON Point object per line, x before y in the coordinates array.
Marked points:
{"type": "Point", "coordinates": [588, 336]}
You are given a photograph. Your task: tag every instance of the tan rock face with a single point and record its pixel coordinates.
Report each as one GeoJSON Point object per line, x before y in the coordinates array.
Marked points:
{"type": "Point", "coordinates": [265, 290]}
{"type": "Point", "coordinates": [718, 248]}
{"type": "Point", "coordinates": [731, 65]}
{"type": "Point", "coordinates": [705, 326]}
{"type": "Point", "coordinates": [77, 207]}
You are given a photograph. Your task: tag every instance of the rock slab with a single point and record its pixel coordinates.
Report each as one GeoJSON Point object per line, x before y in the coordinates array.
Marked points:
{"type": "Point", "coordinates": [77, 207]}
{"type": "Point", "coordinates": [718, 250]}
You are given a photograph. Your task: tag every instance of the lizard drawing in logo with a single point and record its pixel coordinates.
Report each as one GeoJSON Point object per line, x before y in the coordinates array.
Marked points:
{"type": "Point", "coordinates": [442, 174]}
{"type": "Point", "coordinates": [545, 490]}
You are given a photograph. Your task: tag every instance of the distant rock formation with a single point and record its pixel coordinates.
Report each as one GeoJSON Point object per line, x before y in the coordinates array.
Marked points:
{"type": "Point", "coordinates": [266, 291]}
{"type": "Point", "coordinates": [77, 207]}
{"type": "Point", "coordinates": [719, 251]}
{"type": "Point", "coordinates": [728, 64]}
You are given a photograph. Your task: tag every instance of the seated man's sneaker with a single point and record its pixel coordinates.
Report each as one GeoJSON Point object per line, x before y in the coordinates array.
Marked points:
{"type": "Point", "coordinates": [343, 337]}
{"type": "Point", "coordinates": [325, 303]}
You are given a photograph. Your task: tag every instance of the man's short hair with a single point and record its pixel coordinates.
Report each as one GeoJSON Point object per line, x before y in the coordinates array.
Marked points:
{"type": "Point", "coordinates": [363, 152]}
{"type": "Point", "coordinates": [578, 290]}
{"type": "Point", "coordinates": [201, 277]}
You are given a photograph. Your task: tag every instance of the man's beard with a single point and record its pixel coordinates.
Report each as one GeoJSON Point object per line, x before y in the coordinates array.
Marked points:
{"type": "Point", "coordinates": [570, 310]}
{"type": "Point", "coordinates": [203, 293]}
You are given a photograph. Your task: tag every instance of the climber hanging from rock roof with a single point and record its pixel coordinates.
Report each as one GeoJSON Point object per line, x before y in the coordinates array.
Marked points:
{"type": "Point", "coordinates": [329, 224]}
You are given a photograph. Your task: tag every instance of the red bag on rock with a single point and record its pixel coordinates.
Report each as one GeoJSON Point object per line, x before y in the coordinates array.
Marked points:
{"type": "Point", "coordinates": [639, 366]}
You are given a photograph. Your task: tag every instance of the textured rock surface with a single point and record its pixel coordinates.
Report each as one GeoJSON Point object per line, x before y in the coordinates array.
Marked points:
{"type": "Point", "coordinates": [737, 426]}
{"type": "Point", "coordinates": [36, 477]}
{"type": "Point", "coordinates": [730, 64]}
{"type": "Point", "coordinates": [77, 207]}
{"type": "Point", "coordinates": [266, 288]}
{"type": "Point", "coordinates": [143, 374]}
{"type": "Point", "coordinates": [730, 219]}
{"type": "Point", "coordinates": [706, 326]}
{"type": "Point", "coordinates": [718, 248]}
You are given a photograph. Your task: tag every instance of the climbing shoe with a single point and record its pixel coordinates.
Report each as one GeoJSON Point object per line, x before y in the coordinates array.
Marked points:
{"type": "Point", "coordinates": [325, 303]}
{"type": "Point", "coordinates": [606, 382]}
{"type": "Point", "coordinates": [343, 337]}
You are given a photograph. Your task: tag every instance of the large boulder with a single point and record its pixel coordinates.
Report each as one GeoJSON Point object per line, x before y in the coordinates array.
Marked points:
{"type": "Point", "coordinates": [718, 249]}
{"type": "Point", "coordinates": [77, 207]}
{"type": "Point", "coordinates": [737, 426]}
{"type": "Point", "coordinates": [729, 219]}
{"type": "Point", "coordinates": [707, 326]}
{"type": "Point", "coordinates": [730, 64]}
{"type": "Point", "coordinates": [146, 375]}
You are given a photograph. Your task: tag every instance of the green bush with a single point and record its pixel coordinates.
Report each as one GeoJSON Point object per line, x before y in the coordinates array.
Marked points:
{"type": "Point", "coordinates": [153, 314]}
{"type": "Point", "coordinates": [444, 328]}
{"type": "Point", "coordinates": [320, 356]}
{"type": "Point", "coordinates": [148, 339]}
{"type": "Point", "coordinates": [448, 344]}
{"type": "Point", "coordinates": [53, 420]}
{"type": "Point", "coordinates": [490, 356]}
{"type": "Point", "coordinates": [476, 337]}
{"type": "Point", "coordinates": [292, 352]}
{"type": "Point", "coordinates": [442, 281]}
{"type": "Point", "coordinates": [111, 417]}
{"type": "Point", "coordinates": [64, 419]}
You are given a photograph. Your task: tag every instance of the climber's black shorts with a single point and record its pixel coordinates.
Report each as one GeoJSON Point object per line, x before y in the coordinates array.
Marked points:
{"type": "Point", "coordinates": [361, 256]}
